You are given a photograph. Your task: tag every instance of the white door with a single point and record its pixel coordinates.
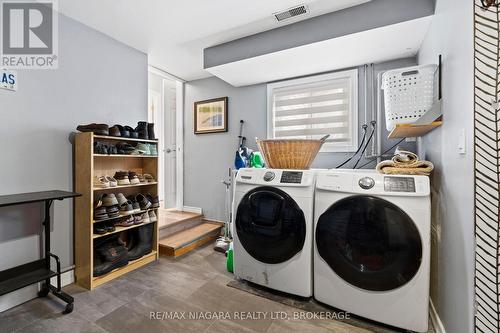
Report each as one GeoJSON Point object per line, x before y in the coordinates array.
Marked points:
{"type": "Point", "coordinates": [170, 147]}
{"type": "Point", "coordinates": [162, 111]}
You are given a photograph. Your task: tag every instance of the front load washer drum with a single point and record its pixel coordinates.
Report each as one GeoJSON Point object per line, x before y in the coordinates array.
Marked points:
{"type": "Point", "coordinates": [369, 242]}
{"type": "Point", "coordinates": [270, 225]}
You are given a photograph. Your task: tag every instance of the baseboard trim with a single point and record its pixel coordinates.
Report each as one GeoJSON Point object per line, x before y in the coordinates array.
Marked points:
{"type": "Point", "coordinates": [8, 301]}
{"type": "Point", "coordinates": [190, 209]}
{"type": "Point", "coordinates": [436, 321]}
{"type": "Point", "coordinates": [67, 278]}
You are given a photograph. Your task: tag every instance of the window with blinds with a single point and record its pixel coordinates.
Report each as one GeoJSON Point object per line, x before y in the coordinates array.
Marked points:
{"type": "Point", "coordinates": [310, 108]}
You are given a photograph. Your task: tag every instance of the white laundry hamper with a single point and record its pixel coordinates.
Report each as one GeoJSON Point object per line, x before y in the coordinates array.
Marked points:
{"type": "Point", "coordinates": [409, 93]}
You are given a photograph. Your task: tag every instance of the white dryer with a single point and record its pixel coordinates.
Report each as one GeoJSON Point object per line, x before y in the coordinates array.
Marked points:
{"type": "Point", "coordinates": [372, 246]}
{"type": "Point", "coordinates": [272, 228]}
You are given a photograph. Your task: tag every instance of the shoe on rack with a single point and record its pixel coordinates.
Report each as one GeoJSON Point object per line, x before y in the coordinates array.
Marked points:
{"type": "Point", "coordinates": [155, 201]}
{"type": "Point", "coordinates": [141, 242]}
{"type": "Point", "coordinates": [112, 181]}
{"type": "Point", "coordinates": [109, 199]}
{"type": "Point", "coordinates": [135, 204]}
{"type": "Point", "coordinates": [100, 148]}
{"type": "Point", "coordinates": [142, 129]}
{"type": "Point", "coordinates": [122, 178]}
{"type": "Point", "coordinates": [101, 182]}
{"type": "Point", "coordinates": [133, 178]}
{"type": "Point", "coordinates": [99, 129]}
{"type": "Point", "coordinates": [113, 212]}
{"type": "Point", "coordinates": [100, 229]}
{"type": "Point", "coordinates": [109, 254]}
{"type": "Point", "coordinates": [110, 227]}
{"type": "Point", "coordinates": [112, 150]}
{"type": "Point", "coordinates": [149, 178]}
{"type": "Point", "coordinates": [123, 132]}
{"type": "Point", "coordinates": [121, 199]}
{"type": "Point", "coordinates": [138, 219]}
{"type": "Point", "coordinates": [141, 178]}
{"type": "Point", "coordinates": [124, 148]}
{"type": "Point", "coordinates": [143, 201]}
{"type": "Point", "coordinates": [126, 208]}
{"type": "Point", "coordinates": [129, 221]}
{"type": "Point", "coordinates": [143, 148]}
{"type": "Point", "coordinates": [98, 201]}
{"type": "Point", "coordinates": [152, 216]}
{"type": "Point", "coordinates": [132, 132]}
{"type": "Point", "coordinates": [151, 131]}
{"type": "Point", "coordinates": [100, 213]}
{"type": "Point", "coordinates": [115, 131]}
{"type": "Point", "coordinates": [153, 151]}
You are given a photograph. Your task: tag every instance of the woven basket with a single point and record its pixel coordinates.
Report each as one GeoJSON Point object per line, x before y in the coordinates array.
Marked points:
{"type": "Point", "coordinates": [289, 154]}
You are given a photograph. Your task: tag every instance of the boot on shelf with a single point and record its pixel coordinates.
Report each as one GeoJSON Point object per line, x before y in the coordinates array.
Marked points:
{"type": "Point", "coordinates": [142, 129]}
{"type": "Point", "coordinates": [142, 242]}
{"type": "Point", "coordinates": [151, 131]}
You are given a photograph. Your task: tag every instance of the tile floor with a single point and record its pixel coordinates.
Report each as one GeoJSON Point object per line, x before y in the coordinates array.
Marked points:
{"type": "Point", "coordinates": [194, 283]}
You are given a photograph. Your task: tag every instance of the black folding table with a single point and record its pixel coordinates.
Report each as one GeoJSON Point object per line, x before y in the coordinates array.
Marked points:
{"type": "Point", "coordinates": [39, 270]}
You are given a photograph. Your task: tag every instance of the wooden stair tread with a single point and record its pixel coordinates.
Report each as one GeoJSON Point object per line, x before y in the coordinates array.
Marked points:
{"type": "Point", "coordinates": [169, 217]}
{"type": "Point", "coordinates": [187, 236]}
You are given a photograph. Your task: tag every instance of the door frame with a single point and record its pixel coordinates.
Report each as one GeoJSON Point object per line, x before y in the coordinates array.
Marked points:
{"type": "Point", "coordinates": [179, 161]}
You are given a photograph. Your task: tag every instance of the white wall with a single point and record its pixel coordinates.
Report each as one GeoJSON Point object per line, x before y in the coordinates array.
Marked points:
{"type": "Point", "coordinates": [451, 35]}
{"type": "Point", "coordinates": [98, 80]}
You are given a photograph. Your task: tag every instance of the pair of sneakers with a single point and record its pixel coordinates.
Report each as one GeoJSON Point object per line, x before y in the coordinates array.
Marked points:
{"type": "Point", "coordinates": [148, 217]}
{"type": "Point", "coordinates": [145, 217]}
{"type": "Point", "coordinates": [145, 149]}
{"type": "Point", "coordinates": [103, 228]}
{"type": "Point", "coordinates": [105, 182]}
{"type": "Point", "coordinates": [127, 178]}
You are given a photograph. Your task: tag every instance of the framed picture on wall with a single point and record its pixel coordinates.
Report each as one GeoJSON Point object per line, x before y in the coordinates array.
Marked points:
{"type": "Point", "coordinates": [210, 116]}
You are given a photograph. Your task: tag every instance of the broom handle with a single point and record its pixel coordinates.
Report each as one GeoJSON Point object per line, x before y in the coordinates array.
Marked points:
{"type": "Point", "coordinates": [240, 137]}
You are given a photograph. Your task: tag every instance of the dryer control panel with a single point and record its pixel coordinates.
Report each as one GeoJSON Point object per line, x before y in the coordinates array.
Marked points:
{"type": "Point", "coordinates": [291, 177]}
{"type": "Point", "coordinates": [276, 177]}
{"type": "Point", "coordinates": [399, 184]}
{"type": "Point", "coordinates": [371, 182]}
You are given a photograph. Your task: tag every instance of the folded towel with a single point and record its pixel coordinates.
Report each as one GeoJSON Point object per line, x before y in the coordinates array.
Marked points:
{"type": "Point", "coordinates": [406, 163]}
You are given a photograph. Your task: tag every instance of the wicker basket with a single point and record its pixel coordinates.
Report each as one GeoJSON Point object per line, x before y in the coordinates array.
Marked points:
{"type": "Point", "coordinates": [289, 154]}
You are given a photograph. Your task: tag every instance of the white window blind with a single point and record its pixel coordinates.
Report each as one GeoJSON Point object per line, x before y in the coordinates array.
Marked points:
{"type": "Point", "coordinates": [312, 107]}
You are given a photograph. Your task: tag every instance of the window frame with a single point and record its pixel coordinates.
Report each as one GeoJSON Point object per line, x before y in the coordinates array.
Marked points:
{"type": "Point", "coordinates": [331, 147]}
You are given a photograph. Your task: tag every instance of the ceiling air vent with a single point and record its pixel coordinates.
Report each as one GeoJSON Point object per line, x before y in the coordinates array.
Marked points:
{"type": "Point", "coordinates": [291, 12]}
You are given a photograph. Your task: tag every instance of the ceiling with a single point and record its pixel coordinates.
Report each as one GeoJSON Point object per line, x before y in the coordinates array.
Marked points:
{"type": "Point", "coordinates": [376, 45]}
{"type": "Point", "coordinates": [174, 33]}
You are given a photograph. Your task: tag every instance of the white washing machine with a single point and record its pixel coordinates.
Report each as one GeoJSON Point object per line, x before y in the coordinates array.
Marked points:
{"type": "Point", "coordinates": [372, 246]}
{"type": "Point", "coordinates": [272, 228]}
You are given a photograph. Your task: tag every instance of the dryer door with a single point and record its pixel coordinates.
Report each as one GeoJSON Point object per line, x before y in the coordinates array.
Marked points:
{"type": "Point", "coordinates": [270, 225]}
{"type": "Point", "coordinates": [369, 242]}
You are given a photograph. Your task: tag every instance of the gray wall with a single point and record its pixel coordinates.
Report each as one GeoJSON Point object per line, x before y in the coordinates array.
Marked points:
{"type": "Point", "coordinates": [98, 80]}
{"type": "Point", "coordinates": [370, 15]}
{"type": "Point", "coordinates": [207, 157]}
{"type": "Point", "coordinates": [452, 181]}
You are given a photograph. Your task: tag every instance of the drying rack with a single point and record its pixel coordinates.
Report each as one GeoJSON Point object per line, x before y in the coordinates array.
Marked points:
{"type": "Point", "coordinates": [39, 270]}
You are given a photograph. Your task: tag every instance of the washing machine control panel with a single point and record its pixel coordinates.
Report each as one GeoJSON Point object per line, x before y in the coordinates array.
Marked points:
{"type": "Point", "coordinates": [291, 177]}
{"type": "Point", "coordinates": [399, 184]}
{"type": "Point", "coordinates": [268, 176]}
{"type": "Point", "coordinates": [366, 183]}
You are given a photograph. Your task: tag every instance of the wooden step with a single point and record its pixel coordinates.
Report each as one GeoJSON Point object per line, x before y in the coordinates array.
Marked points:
{"type": "Point", "coordinates": [186, 240]}
{"type": "Point", "coordinates": [170, 217]}
{"type": "Point", "coordinates": [171, 221]}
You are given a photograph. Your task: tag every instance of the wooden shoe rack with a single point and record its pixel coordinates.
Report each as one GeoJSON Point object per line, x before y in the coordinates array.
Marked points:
{"type": "Point", "coordinates": [89, 165]}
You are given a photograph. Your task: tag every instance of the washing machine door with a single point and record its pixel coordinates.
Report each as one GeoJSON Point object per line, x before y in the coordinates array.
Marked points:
{"type": "Point", "coordinates": [270, 225]}
{"type": "Point", "coordinates": [369, 242]}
